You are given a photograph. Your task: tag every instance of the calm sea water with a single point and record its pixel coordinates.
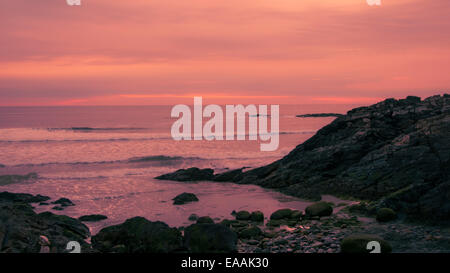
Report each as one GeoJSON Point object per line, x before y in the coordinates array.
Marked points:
{"type": "Point", "coordinates": [109, 168]}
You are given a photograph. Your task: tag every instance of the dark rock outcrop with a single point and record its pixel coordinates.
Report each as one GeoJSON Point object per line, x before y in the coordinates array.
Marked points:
{"type": "Point", "coordinates": [184, 198]}
{"type": "Point", "coordinates": [138, 235]}
{"type": "Point", "coordinates": [395, 153]}
{"type": "Point", "coordinates": [21, 229]}
{"type": "Point", "coordinates": [358, 244]}
{"type": "Point", "coordinates": [210, 238]}
{"type": "Point", "coordinates": [64, 202]}
{"type": "Point", "coordinates": [320, 115]}
{"type": "Point", "coordinates": [92, 218]}
{"type": "Point", "coordinates": [22, 197]}
{"type": "Point", "coordinates": [196, 174]}
{"type": "Point", "coordinates": [191, 174]}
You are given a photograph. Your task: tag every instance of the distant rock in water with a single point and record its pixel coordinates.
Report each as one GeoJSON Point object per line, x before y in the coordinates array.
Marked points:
{"type": "Point", "coordinates": [191, 174]}
{"type": "Point", "coordinates": [154, 158]}
{"type": "Point", "coordinates": [11, 179]}
{"type": "Point", "coordinates": [184, 198]}
{"type": "Point", "coordinates": [196, 174]}
{"type": "Point", "coordinates": [64, 202]}
{"type": "Point", "coordinates": [92, 218]}
{"type": "Point", "coordinates": [395, 153]}
{"type": "Point", "coordinates": [321, 115]}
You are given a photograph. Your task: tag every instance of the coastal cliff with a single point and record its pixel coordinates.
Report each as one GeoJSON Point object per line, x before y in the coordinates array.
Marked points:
{"type": "Point", "coordinates": [394, 154]}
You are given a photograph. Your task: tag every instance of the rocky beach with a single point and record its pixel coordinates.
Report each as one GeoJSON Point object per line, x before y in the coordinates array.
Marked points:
{"type": "Point", "coordinates": [388, 163]}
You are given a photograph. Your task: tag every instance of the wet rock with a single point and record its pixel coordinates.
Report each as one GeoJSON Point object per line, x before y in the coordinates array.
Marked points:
{"type": "Point", "coordinates": [138, 235]}
{"type": "Point", "coordinates": [191, 174]}
{"type": "Point", "coordinates": [92, 218]}
{"type": "Point", "coordinates": [184, 198]}
{"type": "Point", "coordinates": [22, 230]}
{"type": "Point", "coordinates": [296, 215]}
{"type": "Point", "coordinates": [257, 216]}
{"type": "Point", "coordinates": [358, 243]}
{"type": "Point", "coordinates": [281, 214]}
{"type": "Point", "coordinates": [250, 232]}
{"type": "Point", "coordinates": [22, 197]}
{"type": "Point", "coordinates": [64, 202]}
{"type": "Point", "coordinates": [243, 215]}
{"type": "Point", "coordinates": [319, 209]}
{"type": "Point", "coordinates": [386, 215]}
{"type": "Point", "coordinates": [210, 238]}
{"type": "Point", "coordinates": [205, 220]}
{"type": "Point", "coordinates": [193, 217]}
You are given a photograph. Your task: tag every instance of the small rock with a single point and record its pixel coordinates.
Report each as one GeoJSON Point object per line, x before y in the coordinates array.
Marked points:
{"type": "Point", "coordinates": [205, 220]}
{"type": "Point", "coordinates": [193, 217]}
{"type": "Point", "coordinates": [386, 215]}
{"type": "Point", "coordinates": [64, 202]}
{"type": "Point", "coordinates": [243, 215]}
{"type": "Point", "coordinates": [257, 216]}
{"type": "Point", "coordinates": [184, 198]}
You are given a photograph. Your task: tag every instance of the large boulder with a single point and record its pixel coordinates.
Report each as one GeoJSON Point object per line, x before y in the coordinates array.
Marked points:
{"type": "Point", "coordinates": [205, 220]}
{"type": "Point", "coordinates": [386, 215]}
{"type": "Point", "coordinates": [138, 235]}
{"type": "Point", "coordinates": [257, 216]}
{"type": "Point", "coordinates": [210, 238]}
{"type": "Point", "coordinates": [319, 209]}
{"type": "Point", "coordinates": [358, 243]}
{"type": "Point", "coordinates": [191, 174]}
{"type": "Point", "coordinates": [243, 215]}
{"type": "Point", "coordinates": [184, 198]}
{"type": "Point", "coordinates": [281, 214]}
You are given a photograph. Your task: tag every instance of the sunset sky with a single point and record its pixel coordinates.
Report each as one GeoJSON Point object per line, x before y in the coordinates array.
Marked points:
{"type": "Point", "coordinates": [111, 52]}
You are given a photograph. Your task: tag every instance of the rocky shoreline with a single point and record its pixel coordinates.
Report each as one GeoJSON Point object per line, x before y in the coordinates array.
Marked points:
{"type": "Point", "coordinates": [322, 228]}
{"type": "Point", "coordinates": [394, 154]}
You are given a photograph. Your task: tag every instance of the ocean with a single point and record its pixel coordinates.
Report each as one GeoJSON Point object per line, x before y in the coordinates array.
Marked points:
{"type": "Point", "coordinates": [105, 158]}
